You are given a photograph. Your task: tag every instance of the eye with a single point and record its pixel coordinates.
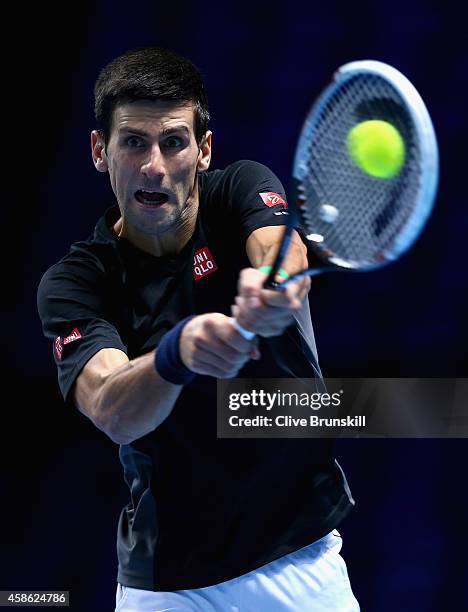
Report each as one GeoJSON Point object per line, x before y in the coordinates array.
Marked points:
{"type": "Point", "coordinates": [134, 142]}
{"type": "Point", "coordinates": [172, 142]}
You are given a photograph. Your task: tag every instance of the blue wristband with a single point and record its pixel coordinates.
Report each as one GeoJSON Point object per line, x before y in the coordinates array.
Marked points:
{"type": "Point", "coordinates": [167, 361]}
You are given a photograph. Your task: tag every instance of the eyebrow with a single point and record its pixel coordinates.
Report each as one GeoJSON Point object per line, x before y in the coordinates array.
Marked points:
{"type": "Point", "coordinates": [175, 128]}
{"type": "Point", "coordinates": [164, 132]}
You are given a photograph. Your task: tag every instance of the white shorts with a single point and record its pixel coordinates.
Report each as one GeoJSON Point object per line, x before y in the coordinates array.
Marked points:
{"type": "Point", "coordinates": [313, 578]}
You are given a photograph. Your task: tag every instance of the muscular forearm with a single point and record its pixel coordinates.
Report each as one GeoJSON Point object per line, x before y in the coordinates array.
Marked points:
{"type": "Point", "coordinates": [262, 247]}
{"type": "Point", "coordinates": [134, 400]}
{"type": "Point", "coordinates": [262, 311]}
{"type": "Point", "coordinates": [128, 399]}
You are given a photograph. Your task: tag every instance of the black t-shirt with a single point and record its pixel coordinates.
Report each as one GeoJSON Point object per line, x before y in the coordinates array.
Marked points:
{"type": "Point", "coordinates": [202, 510]}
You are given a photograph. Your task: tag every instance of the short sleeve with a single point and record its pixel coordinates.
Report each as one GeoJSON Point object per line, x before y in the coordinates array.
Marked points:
{"type": "Point", "coordinates": [72, 309]}
{"type": "Point", "coordinates": [250, 193]}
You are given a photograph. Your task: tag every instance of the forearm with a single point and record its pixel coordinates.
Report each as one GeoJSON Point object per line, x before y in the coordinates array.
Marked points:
{"type": "Point", "coordinates": [262, 311]}
{"type": "Point", "coordinates": [262, 247]}
{"type": "Point", "coordinates": [134, 400]}
{"type": "Point", "coordinates": [129, 399]}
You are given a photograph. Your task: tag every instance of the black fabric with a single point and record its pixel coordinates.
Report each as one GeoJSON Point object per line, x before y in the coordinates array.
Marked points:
{"type": "Point", "coordinates": [202, 509]}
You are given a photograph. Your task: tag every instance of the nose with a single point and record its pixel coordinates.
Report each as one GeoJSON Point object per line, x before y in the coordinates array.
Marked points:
{"type": "Point", "coordinates": [153, 165]}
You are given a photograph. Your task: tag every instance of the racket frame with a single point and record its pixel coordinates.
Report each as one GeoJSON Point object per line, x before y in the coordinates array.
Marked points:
{"type": "Point", "coordinates": [427, 187]}
{"type": "Point", "coordinates": [428, 150]}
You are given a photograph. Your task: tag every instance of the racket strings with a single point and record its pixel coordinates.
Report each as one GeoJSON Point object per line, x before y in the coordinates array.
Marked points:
{"type": "Point", "coordinates": [371, 211]}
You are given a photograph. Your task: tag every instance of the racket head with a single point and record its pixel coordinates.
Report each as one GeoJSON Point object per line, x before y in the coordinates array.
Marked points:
{"type": "Point", "coordinates": [350, 219]}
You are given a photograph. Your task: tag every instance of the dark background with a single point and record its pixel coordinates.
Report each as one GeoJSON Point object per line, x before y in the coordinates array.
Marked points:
{"type": "Point", "coordinates": [62, 487]}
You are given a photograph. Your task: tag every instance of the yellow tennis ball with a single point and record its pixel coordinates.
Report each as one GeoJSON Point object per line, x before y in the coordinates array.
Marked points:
{"type": "Point", "coordinates": [377, 148]}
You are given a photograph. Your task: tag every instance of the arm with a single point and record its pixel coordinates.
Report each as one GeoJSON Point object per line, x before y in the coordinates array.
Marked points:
{"type": "Point", "coordinates": [262, 246]}
{"type": "Point", "coordinates": [125, 399]}
{"type": "Point", "coordinates": [129, 399]}
{"type": "Point", "coordinates": [263, 311]}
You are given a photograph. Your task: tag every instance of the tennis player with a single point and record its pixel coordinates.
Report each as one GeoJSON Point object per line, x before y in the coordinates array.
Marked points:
{"type": "Point", "coordinates": [139, 315]}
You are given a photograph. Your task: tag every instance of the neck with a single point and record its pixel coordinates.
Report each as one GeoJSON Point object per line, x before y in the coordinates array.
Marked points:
{"type": "Point", "coordinates": [170, 242]}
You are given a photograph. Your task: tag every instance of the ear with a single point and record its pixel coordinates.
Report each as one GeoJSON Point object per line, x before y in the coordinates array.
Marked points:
{"type": "Point", "coordinates": [98, 151]}
{"type": "Point", "coordinates": [204, 155]}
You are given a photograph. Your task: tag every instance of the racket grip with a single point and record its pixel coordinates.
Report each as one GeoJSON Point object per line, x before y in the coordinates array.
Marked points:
{"type": "Point", "coordinates": [248, 335]}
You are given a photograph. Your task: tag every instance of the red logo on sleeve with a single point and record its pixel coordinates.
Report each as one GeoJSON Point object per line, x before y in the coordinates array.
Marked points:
{"type": "Point", "coordinates": [59, 343]}
{"type": "Point", "coordinates": [58, 347]}
{"type": "Point", "coordinates": [270, 198]}
{"type": "Point", "coordinates": [75, 335]}
{"type": "Point", "coordinates": [203, 263]}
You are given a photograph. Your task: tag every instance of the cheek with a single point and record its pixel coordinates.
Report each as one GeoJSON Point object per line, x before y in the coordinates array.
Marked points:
{"type": "Point", "coordinates": [120, 175]}
{"type": "Point", "coordinates": [185, 174]}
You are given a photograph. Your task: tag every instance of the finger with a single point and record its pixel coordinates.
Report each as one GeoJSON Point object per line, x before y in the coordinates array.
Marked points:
{"type": "Point", "coordinates": [252, 321]}
{"type": "Point", "coordinates": [255, 353]}
{"type": "Point", "coordinates": [250, 282]}
{"type": "Point", "coordinates": [247, 308]}
{"type": "Point", "coordinates": [269, 332]}
{"type": "Point", "coordinates": [218, 368]}
{"type": "Point", "coordinates": [247, 316]}
{"type": "Point", "coordinates": [224, 331]}
{"type": "Point", "coordinates": [209, 369]}
{"type": "Point", "coordinates": [287, 298]}
{"type": "Point", "coordinates": [220, 351]}
{"type": "Point", "coordinates": [304, 288]}
{"type": "Point", "coordinates": [265, 326]}
{"type": "Point", "coordinates": [249, 301]}
{"type": "Point", "coordinates": [266, 331]}
{"type": "Point", "coordinates": [233, 338]}
{"type": "Point", "coordinates": [290, 298]}
{"type": "Point", "coordinates": [214, 359]}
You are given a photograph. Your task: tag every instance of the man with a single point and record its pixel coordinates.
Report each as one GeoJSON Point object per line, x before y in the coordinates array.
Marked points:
{"type": "Point", "coordinates": [140, 318]}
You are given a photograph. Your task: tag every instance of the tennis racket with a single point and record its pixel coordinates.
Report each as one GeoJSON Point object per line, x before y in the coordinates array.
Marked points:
{"type": "Point", "coordinates": [352, 220]}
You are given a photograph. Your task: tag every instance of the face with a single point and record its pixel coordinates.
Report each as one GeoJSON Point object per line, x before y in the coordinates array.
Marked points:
{"type": "Point", "coordinates": [153, 158]}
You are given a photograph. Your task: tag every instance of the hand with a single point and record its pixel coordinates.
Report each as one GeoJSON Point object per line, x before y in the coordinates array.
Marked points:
{"type": "Point", "coordinates": [263, 311]}
{"type": "Point", "coordinates": [210, 345]}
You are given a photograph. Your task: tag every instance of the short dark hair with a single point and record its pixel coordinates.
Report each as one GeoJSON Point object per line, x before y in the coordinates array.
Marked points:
{"type": "Point", "coordinates": [150, 73]}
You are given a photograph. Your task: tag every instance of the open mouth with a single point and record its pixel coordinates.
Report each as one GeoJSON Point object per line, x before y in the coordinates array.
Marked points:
{"type": "Point", "coordinates": [151, 198]}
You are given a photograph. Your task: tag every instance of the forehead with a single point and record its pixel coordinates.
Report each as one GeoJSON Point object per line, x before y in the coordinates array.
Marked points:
{"type": "Point", "coordinates": [153, 116]}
